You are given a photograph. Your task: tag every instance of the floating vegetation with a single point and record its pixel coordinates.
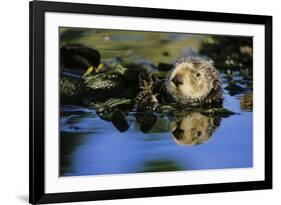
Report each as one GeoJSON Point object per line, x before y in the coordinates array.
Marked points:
{"type": "Point", "coordinates": [223, 112]}
{"type": "Point", "coordinates": [106, 80]}
{"type": "Point", "coordinates": [110, 104]}
{"type": "Point", "coordinates": [246, 102]}
{"type": "Point", "coordinates": [176, 111]}
{"type": "Point", "coordinates": [70, 89]}
{"type": "Point", "coordinates": [228, 52]}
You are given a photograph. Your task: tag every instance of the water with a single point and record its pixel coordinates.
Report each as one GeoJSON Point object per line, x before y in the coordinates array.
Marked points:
{"type": "Point", "coordinates": [92, 146]}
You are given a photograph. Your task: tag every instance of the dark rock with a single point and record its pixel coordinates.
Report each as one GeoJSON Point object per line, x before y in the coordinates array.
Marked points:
{"type": "Point", "coordinates": [164, 66]}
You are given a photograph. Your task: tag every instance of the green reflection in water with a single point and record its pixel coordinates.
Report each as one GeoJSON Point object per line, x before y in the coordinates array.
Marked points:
{"type": "Point", "coordinates": [161, 165]}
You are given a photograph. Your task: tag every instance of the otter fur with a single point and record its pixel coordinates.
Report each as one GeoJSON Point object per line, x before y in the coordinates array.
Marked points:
{"type": "Point", "coordinates": [191, 82]}
{"type": "Point", "coordinates": [194, 80]}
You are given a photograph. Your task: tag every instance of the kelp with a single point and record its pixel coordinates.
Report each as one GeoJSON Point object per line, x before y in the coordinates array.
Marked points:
{"type": "Point", "coordinates": [113, 104]}
{"type": "Point", "coordinates": [246, 102]}
{"type": "Point", "coordinates": [107, 80]}
{"type": "Point", "coordinates": [71, 89]}
{"type": "Point", "coordinates": [110, 104]}
{"type": "Point", "coordinates": [233, 56]}
{"type": "Point", "coordinates": [116, 82]}
{"type": "Point", "coordinates": [228, 52]}
{"type": "Point", "coordinates": [180, 111]}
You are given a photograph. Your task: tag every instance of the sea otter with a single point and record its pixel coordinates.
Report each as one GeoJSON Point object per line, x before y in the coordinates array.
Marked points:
{"type": "Point", "coordinates": [191, 82]}
{"type": "Point", "coordinates": [194, 80]}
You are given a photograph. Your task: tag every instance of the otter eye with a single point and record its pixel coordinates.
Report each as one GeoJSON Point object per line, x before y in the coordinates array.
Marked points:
{"type": "Point", "coordinates": [197, 75]}
{"type": "Point", "coordinates": [198, 133]}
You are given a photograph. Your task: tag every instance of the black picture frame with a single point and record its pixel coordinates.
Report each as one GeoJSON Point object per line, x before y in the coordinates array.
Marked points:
{"type": "Point", "coordinates": [37, 102]}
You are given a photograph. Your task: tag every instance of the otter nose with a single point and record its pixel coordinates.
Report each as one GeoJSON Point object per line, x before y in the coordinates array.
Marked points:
{"type": "Point", "coordinates": [177, 80]}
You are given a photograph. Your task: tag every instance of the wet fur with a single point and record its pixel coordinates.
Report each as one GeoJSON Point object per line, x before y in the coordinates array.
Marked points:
{"type": "Point", "coordinates": [195, 91]}
{"type": "Point", "coordinates": [205, 89]}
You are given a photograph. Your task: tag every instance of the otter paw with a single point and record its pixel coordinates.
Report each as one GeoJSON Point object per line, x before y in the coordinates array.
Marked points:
{"type": "Point", "coordinates": [208, 101]}
{"type": "Point", "coordinates": [145, 100]}
{"type": "Point", "coordinates": [146, 79]}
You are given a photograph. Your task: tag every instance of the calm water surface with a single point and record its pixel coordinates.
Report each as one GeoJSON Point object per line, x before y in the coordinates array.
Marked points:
{"type": "Point", "coordinates": [90, 145]}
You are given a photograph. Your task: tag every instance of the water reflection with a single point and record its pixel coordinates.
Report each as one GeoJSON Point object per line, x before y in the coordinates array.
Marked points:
{"type": "Point", "coordinates": [191, 128]}
{"type": "Point", "coordinates": [134, 142]}
{"type": "Point", "coordinates": [161, 165]}
{"type": "Point", "coordinates": [146, 121]}
{"type": "Point", "coordinates": [246, 102]}
{"type": "Point", "coordinates": [194, 128]}
{"type": "Point", "coordinates": [119, 121]}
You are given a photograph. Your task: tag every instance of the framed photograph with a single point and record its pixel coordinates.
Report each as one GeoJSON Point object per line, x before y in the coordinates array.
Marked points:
{"type": "Point", "coordinates": [139, 102]}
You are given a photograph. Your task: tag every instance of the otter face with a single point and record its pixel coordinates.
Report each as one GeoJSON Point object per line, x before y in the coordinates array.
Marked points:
{"type": "Point", "coordinates": [189, 82]}
{"type": "Point", "coordinates": [194, 128]}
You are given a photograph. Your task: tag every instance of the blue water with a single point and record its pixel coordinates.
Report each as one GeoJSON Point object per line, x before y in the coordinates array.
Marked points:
{"type": "Point", "coordinates": [90, 145]}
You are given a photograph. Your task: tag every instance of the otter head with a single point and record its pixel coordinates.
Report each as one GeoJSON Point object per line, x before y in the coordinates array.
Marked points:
{"type": "Point", "coordinates": [191, 80]}
{"type": "Point", "coordinates": [193, 128]}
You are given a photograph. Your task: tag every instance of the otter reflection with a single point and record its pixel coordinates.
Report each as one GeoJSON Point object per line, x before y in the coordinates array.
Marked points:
{"type": "Point", "coordinates": [188, 129]}
{"type": "Point", "coordinates": [194, 128]}
{"type": "Point", "coordinates": [146, 121]}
